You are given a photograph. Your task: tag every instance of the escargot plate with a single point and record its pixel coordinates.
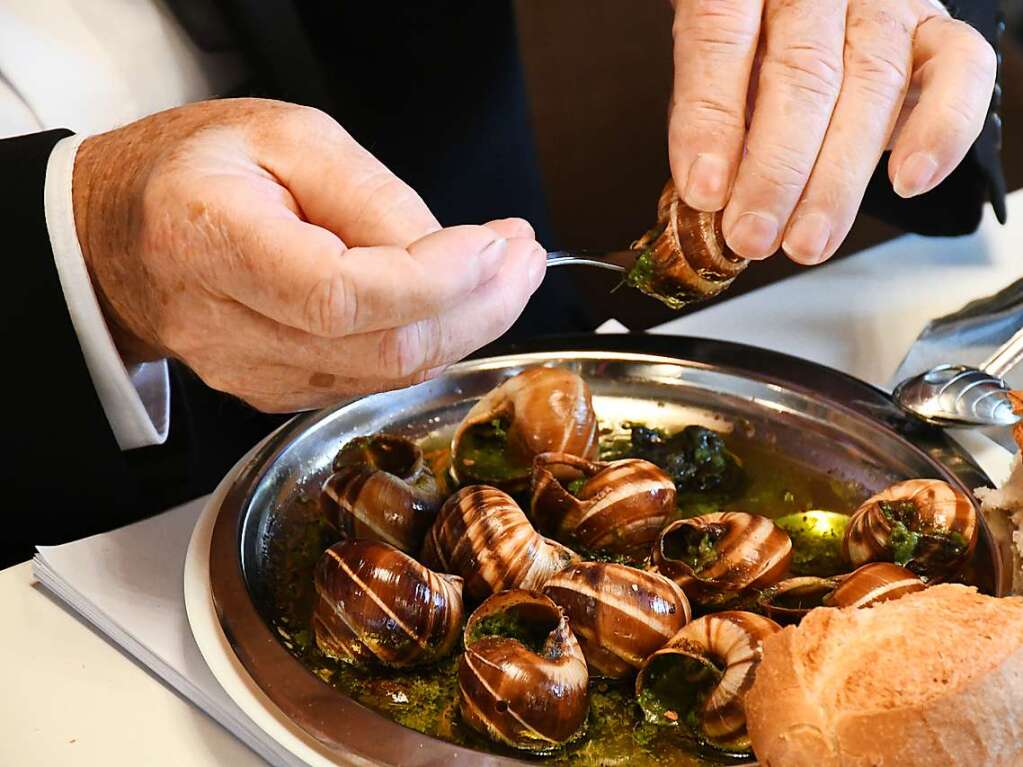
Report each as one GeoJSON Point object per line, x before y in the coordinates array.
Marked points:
{"type": "Point", "coordinates": [819, 417]}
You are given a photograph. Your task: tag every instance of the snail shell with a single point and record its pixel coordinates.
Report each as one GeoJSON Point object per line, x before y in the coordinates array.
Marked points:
{"type": "Point", "coordinates": [748, 551]}
{"type": "Point", "coordinates": [530, 698]}
{"type": "Point", "coordinates": [715, 657]}
{"type": "Point", "coordinates": [482, 535]}
{"type": "Point", "coordinates": [376, 604]}
{"type": "Point", "coordinates": [690, 259]}
{"type": "Point", "coordinates": [789, 600]}
{"type": "Point", "coordinates": [925, 524]}
{"type": "Point", "coordinates": [874, 583]}
{"type": "Point", "coordinates": [545, 409]}
{"type": "Point", "coordinates": [621, 506]}
{"type": "Point", "coordinates": [619, 614]}
{"type": "Point", "coordinates": [382, 489]}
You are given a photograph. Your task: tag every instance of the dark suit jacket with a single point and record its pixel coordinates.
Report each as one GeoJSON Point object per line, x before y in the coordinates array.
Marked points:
{"type": "Point", "coordinates": [442, 104]}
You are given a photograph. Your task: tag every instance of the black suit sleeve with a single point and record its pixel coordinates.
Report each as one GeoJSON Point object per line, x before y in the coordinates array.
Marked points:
{"type": "Point", "coordinates": [955, 206]}
{"type": "Point", "coordinates": [63, 464]}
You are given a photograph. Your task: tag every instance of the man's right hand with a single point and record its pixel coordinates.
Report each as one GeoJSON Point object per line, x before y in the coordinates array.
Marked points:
{"type": "Point", "coordinates": [260, 244]}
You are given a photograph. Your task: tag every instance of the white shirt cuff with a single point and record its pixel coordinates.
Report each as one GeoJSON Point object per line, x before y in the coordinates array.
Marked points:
{"type": "Point", "coordinates": [136, 401]}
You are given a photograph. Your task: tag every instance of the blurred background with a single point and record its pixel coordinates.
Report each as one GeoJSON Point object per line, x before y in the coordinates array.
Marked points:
{"type": "Point", "coordinates": [599, 74]}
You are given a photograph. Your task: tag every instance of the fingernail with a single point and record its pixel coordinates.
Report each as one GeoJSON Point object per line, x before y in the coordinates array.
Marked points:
{"type": "Point", "coordinates": [753, 235]}
{"type": "Point", "coordinates": [537, 267]}
{"type": "Point", "coordinates": [706, 187]}
{"type": "Point", "coordinates": [807, 238]}
{"type": "Point", "coordinates": [915, 175]}
{"type": "Point", "coordinates": [493, 255]}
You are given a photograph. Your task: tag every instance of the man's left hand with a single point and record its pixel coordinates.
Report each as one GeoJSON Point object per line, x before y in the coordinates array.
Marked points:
{"type": "Point", "coordinates": [783, 108]}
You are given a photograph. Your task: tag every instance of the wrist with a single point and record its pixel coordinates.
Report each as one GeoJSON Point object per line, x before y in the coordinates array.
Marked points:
{"type": "Point", "coordinates": [106, 213]}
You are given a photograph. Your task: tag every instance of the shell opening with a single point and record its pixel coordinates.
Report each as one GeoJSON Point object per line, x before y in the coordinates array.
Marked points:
{"type": "Point", "coordinates": [382, 452]}
{"type": "Point", "coordinates": [695, 547]}
{"type": "Point", "coordinates": [483, 454]}
{"type": "Point", "coordinates": [528, 623]}
{"type": "Point", "coordinates": [675, 687]}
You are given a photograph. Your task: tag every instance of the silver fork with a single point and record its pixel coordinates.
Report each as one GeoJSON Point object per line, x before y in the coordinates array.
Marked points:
{"type": "Point", "coordinates": [616, 260]}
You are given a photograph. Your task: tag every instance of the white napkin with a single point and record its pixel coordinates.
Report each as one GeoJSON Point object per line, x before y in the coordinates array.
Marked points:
{"type": "Point", "coordinates": [127, 583]}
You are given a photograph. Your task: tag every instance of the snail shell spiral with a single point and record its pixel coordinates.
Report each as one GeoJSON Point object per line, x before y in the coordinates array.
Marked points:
{"type": "Point", "coordinates": [376, 604]}
{"type": "Point", "coordinates": [534, 698]}
{"type": "Point", "coordinates": [716, 556]}
{"type": "Point", "coordinates": [482, 535]}
{"type": "Point", "coordinates": [620, 507]}
{"type": "Point", "coordinates": [544, 409]}
{"type": "Point", "coordinates": [926, 525]}
{"type": "Point", "coordinates": [706, 668]}
{"type": "Point", "coordinates": [690, 260]}
{"type": "Point", "coordinates": [619, 614]}
{"type": "Point", "coordinates": [382, 490]}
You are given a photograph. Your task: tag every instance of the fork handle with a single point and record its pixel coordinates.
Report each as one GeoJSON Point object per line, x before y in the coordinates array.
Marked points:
{"type": "Point", "coordinates": [1005, 357]}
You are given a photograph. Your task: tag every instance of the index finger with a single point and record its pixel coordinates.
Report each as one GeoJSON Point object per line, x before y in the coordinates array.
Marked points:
{"type": "Point", "coordinates": [303, 276]}
{"type": "Point", "coordinates": [715, 43]}
{"type": "Point", "coordinates": [339, 184]}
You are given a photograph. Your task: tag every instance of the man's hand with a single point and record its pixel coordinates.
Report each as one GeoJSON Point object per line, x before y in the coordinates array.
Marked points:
{"type": "Point", "coordinates": [827, 85]}
{"type": "Point", "coordinates": [260, 244]}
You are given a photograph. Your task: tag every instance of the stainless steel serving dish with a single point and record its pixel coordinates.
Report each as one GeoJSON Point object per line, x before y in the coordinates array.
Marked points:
{"type": "Point", "coordinates": [824, 418]}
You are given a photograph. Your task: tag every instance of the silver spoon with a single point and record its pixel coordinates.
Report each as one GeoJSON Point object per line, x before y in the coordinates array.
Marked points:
{"type": "Point", "coordinates": [959, 395]}
{"type": "Point", "coordinates": [615, 260]}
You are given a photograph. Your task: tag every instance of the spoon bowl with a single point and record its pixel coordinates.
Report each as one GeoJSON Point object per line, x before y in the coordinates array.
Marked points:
{"type": "Point", "coordinates": [957, 395]}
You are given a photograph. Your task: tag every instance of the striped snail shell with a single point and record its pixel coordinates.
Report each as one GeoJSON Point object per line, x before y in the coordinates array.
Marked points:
{"type": "Point", "coordinates": [702, 675]}
{"type": "Point", "coordinates": [382, 489]}
{"type": "Point", "coordinates": [376, 604]}
{"type": "Point", "coordinates": [716, 556]}
{"type": "Point", "coordinates": [619, 506]}
{"type": "Point", "coordinates": [789, 600]}
{"type": "Point", "coordinates": [523, 679]}
{"type": "Point", "coordinates": [619, 614]}
{"type": "Point", "coordinates": [482, 535]}
{"type": "Point", "coordinates": [926, 525]}
{"type": "Point", "coordinates": [689, 260]}
{"type": "Point", "coordinates": [873, 583]}
{"type": "Point", "coordinates": [539, 410]}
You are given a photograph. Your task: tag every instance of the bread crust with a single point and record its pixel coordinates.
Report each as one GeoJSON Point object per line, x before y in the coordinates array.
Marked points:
{"type": "Point", "coordinates": [802, 710]}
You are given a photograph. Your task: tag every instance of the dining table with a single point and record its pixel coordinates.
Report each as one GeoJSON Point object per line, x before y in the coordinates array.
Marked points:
{"type": "Point", "coordinates": [73, 697]}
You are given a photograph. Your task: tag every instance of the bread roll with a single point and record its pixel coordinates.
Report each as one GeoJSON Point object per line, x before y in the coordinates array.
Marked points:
{"type": "Point", "coordinates": [934, 678]}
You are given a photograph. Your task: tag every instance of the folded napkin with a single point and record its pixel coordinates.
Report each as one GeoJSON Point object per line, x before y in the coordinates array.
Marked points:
{"type": "Point", "coordinates": [128, 584]}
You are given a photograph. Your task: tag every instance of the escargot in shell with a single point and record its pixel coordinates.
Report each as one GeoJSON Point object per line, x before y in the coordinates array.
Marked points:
{"type": "Point", "coordinates": [715, 557]}
{"type": "Point", "coordinates": [522, 679]}
{"type": "Point", "coordinates": [382, 489]}
{"type": "Point", "coordinates": [619, 614]}
{"type": "Point", "coordinates": [619, 506]}
{"type": "Point", "coordinates": [789, 600]}
{"type": "Point", "coordinates": [377, 605]}
{"type": "Point", "coordinates": [482, 535]}
{"type": "Point", "coordinates": [684, 257]}
{"type": "Point", "coordinates": [698, 680]}
{"type": "Point", "coordinates": [539, 410]}
{"type": "Point", "coordinates": [925, 525]}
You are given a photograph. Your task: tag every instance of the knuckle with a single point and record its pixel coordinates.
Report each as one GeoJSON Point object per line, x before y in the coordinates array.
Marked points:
{"type": "Point", "coordinates": [707, 111]}
{"type": "Point", "coordinates": [809, 69]}
{"type": "Point", "coordinates": [783, 169]}
{"type": "Point", "coordinates": [728, 21]}
{"type": "Point", "coordinates": [332, 307]}
{"type": "Point", "coordinates": [881, 73]}
{"type": "Point", "coordinates": [404, 351]}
